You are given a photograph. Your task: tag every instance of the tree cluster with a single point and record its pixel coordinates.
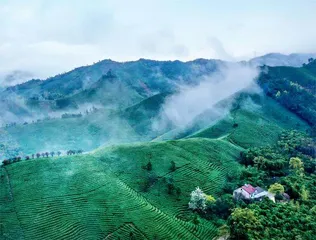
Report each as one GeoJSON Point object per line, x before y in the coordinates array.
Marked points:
{"type": "Point", "coordinates": [296, 177]}
{"type": "Point", "coordinates": [39, 155]}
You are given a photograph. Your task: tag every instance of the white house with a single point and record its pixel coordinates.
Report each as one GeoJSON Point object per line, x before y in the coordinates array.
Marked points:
{"type": "Point", "coordinates": [248, 192]}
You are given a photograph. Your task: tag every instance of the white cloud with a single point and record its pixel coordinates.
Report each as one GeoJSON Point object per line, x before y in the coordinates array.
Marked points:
{"type": "Point", "coordinates": [182, 108]}
{"type": "Point", "coordinates": [49, 37]}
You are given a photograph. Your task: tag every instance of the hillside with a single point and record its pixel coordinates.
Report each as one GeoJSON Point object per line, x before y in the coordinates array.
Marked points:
{"type": "Point", "coordinates": [138, 168]}
{"type": "Point", "coordinates": [102, 195]}
{"type": "Point", "coordinates": [87, 132]}
{"type": "Point", "coordinates": [251, 115]}
{"type": "Point", "coordinates": [255, 115]}
{"type": "Point", "coordinates": [294, 88]}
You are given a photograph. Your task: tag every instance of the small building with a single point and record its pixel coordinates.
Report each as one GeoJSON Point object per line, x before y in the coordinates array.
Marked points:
{"type": "Point", "coordinates": [248, 192]}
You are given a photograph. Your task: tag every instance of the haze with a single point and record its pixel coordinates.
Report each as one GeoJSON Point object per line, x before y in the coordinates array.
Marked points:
{"type": "Point", "coordinates": [50, 37]}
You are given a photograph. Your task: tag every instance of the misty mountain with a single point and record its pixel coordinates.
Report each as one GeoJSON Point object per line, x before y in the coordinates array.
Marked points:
{"type": "Point", "coordinates": [148, 75]}
{"type": "Point", "coordinates": [278, 59]}
{"type": "Point", "coordinates": [133, 82]}
{"type": "Point", "coordinates": [15, 77]}
{"type": "Point", "coordinates": [127, 84]}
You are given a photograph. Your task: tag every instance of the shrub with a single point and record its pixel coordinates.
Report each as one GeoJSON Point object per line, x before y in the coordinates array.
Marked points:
{"type": "Point", "coordinates": [148, 166]}
{"type": "Point", "coordinates": [276, 188]}
{"type": "Point", "coordinates": [173, 166]}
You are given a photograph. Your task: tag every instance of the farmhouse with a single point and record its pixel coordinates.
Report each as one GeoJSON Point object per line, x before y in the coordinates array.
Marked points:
{"type": "Point", "coordinates": [248, 192]}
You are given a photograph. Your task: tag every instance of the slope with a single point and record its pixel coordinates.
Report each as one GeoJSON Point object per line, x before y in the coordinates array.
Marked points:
{"type": "Point", "coordinates": [293, 88]}
{"type": "Point", "coordinates": [100, 196]}
{"type": "Point", "coordinates": [87, 132]}
{"type": "Point", "coordinates": [254, 120]}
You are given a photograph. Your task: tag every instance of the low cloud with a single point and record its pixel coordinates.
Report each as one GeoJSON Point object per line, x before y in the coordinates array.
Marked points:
{"type": "Point", "coordinates": [190, 102]}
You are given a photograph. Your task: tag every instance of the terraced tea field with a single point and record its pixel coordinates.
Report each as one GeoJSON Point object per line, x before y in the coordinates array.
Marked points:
{"type": "Point", "coordinates": [101, 195]}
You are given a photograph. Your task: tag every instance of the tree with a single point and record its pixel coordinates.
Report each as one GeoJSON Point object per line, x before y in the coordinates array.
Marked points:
{"type": "Point", "coordinates": [43, 154]}
{"type": "Point", "coordinates": [148, 166]}
{"type": "Point", "coordinates": [178, 193]}
{"type": "Point", "coordinates": [33, 155]}
{"type": "Point", "coordinates": [198, 200]}
{"type": "Point", "coordinates": [278, 197]}
{"type": "Point", "coordinates": [210, 199]}
{"type": "Point", "coordinates": [223, 232]}
{"type": "Point", "coordinates": [149, 180]}
{"type": "Point", "coordinates": [27, 158]}
{"type": "Point", "coordinates": [222, 207]}
{"type": "Point", "coordinates": [276, 188]}
{"type": "Point", "coordinates": [46, 154]}
{"type": "Point", "coordinates": [173, 166]}
{"type": "Point", "coordinates": [241, 222]}
{"type": "Point", "coordinates": [38, 155]}
{"type": "Point", "coordinates": [304, 194]}
{"type": "Point", "coordinates": [6, 162]}
{"type": "Point", "coordinates": [170, 185]}
{"type": "Point", "coordinates": [52, 154]}
{"type": "Point", "coordinates": [58, 153]}
{"type": "Point", "coordinates": [297, 164]}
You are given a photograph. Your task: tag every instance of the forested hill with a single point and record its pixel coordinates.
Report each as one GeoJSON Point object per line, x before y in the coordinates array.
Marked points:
{"type": "Point", "coordinates": [142, 74]}
{"type": "Point", "coordinates": [292, 87]}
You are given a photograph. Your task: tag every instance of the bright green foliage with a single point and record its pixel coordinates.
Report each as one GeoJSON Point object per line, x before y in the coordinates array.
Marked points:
{"type": "Point", "coordinates": [297, 165]}
{"type": "Point", "coordinates": [244, 223]}
{"type": "Point", "coordinates": [276, 188]}
{"type": "Point", "coordinates": [284, 221]}
{"type": "Point", "coordinates": [304, 194]}
{"type": "Point", "coordinates": [273, 221]}
{"type": "Point", "coordinates": [210, 199]}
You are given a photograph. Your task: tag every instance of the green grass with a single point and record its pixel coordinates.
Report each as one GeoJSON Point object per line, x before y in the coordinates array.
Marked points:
{"type": "Point", "coordinates": [260, 122]}
{"type": "Point", "coordinates": [99, 196]}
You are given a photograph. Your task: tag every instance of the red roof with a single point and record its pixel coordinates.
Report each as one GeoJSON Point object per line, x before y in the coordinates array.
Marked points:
{"type": "Point", "coordinates": [248, 188]}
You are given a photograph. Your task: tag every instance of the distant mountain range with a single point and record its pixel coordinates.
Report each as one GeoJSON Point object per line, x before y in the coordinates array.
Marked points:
{"type": "Point", "coordinates": [278, 59]}
{"type": "Point", "coordinates": [127, 84]}
{"type": "Point", "coordinates": [81, 77]}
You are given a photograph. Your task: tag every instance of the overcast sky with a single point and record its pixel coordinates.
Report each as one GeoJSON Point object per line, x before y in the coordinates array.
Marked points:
{"type": "Point", "coordinates": [48, 37]}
